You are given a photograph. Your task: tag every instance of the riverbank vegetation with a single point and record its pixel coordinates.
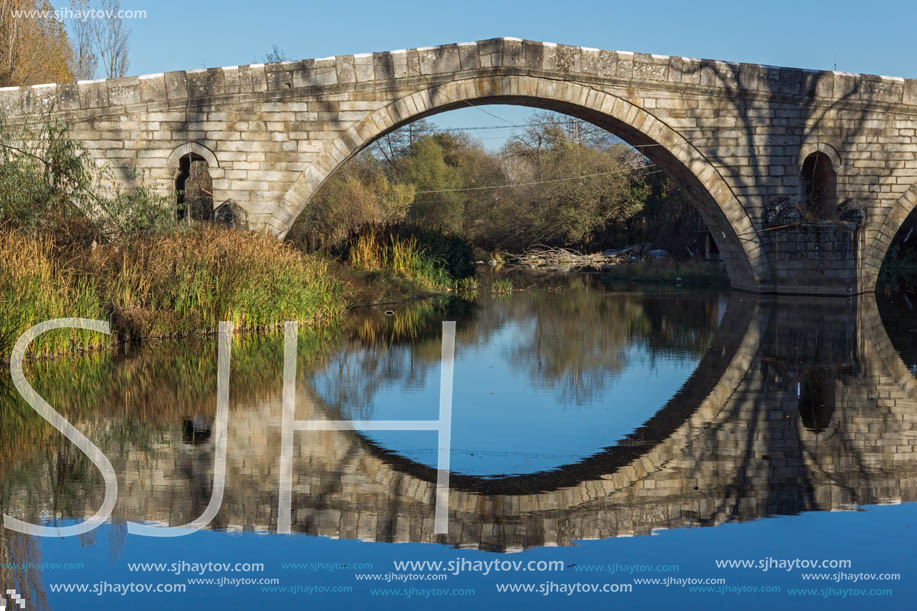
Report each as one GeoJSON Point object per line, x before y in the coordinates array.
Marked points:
{"type": "Point", "coordinates": [559, 184]}
{"type": "Point", "coordinates": [169, 285]}
{"type": "Point", "coordinates": [430, 258]}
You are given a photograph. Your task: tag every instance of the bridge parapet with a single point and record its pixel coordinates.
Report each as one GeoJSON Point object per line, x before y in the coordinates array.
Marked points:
{"type": "Point", "coordinates": [451, 62]}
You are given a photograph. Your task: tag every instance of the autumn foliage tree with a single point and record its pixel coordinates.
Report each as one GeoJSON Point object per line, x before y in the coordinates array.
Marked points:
{"type": "Point", "coordinates": [576, 180]}
{"type": "Point", "coordinates": [356, 195]}
{"type": "Point", "coordinates": [561, 181]}
{"type": "Point", "coordinates": [33, 44]}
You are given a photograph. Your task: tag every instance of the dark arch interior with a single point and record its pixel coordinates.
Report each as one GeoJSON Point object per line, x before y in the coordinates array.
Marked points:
{"type": "Point", "coordinates": [899, 260]}
{"type": "Point", "coordinates": [819, 186]}
{"type": "Point", "coordinates": [194, 189]}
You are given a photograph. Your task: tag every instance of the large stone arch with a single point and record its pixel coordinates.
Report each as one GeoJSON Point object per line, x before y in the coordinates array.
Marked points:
{"type": "Point", "coordinates": [878, 246]}
{"type": "Point", "coordinates": [731, 225]}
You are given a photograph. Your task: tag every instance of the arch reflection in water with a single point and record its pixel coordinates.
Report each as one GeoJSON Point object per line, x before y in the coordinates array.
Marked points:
{"type": "Point", "coordinates": [730, 445]}
{"type": "Point", "coordinates": [541, 380]}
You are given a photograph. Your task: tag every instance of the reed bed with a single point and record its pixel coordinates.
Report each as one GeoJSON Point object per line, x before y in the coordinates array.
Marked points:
{"type": "Point", "coordinates": [170, 285]}
{"type": "Point", "coordinates": [384, 251]}
{"type": "Point", "coordinates": [185, 284]}
{"type": "Point", "coordinates": [34, 287]}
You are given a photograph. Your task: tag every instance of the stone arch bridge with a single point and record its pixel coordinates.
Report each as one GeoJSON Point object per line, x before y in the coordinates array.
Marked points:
{"type": "Point", "coordinates": [734, 136]}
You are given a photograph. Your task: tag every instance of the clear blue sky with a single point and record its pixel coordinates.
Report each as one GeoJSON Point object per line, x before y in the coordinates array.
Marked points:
{"type": "Point", "coordinates": [871, 37]}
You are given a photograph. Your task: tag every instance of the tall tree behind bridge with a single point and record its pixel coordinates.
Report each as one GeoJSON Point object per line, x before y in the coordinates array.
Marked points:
{"type": "Point", "coordinates": [83, 61]}
{"type": "Point", "coordinates": [33, 44]}
{"type": "Point", "coordinates": [111, 39]}
{"type": "Point", "coordinates": [576, 181]}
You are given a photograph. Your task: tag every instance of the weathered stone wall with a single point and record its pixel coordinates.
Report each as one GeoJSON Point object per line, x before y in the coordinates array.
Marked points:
{"type": "Point", "coordinates": [813, 258]}
{"type": "Point", "coordinates": [733, 135]}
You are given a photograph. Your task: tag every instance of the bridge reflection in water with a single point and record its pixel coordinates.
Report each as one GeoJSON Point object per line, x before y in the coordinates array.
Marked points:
{"type": "Point", "coordinates": [796, 405]}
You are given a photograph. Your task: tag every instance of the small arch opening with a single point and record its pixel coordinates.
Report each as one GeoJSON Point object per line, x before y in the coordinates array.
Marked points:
{"type": "Point", "coordinates": [819, 187]}
{"type": "Point", "coordinates": [194, 189]}
{"type": "Point", "coordinates": [815, 393]}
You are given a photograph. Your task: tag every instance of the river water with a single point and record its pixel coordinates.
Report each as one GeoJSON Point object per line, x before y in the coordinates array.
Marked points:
{"type": "Point", "coordinates": [626, 436]}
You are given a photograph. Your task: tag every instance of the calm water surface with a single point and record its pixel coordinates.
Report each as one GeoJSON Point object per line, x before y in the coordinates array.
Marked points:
{"type": "Point", "coordinates": [585, 420]}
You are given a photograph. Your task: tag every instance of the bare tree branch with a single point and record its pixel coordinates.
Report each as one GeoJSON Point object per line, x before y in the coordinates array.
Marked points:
{"type": "Point", "coordinates": [83, 60]}
{"type": "Point", "coordinates": [111, 39]}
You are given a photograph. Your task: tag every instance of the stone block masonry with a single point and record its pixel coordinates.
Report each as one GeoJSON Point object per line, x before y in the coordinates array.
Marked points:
{"type": "Point", "coordinates": [733, 136]}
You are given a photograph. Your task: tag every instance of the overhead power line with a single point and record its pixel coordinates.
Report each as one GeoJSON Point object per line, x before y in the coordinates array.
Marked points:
{"type": "Point", "coordinates": [510, 126]}
{"type": "Point", "coordinates": [520, 125]}
{"type": "Point", "coordinates": [538, 182]}
{"type": "Point", "coordinates": [487, 112]}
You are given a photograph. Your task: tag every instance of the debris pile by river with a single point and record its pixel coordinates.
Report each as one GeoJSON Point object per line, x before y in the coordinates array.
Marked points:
{"type": "Point", "coordinates": [567, 260]}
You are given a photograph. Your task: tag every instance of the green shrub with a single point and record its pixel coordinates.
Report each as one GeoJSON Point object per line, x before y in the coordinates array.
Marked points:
{"type": "Point", "coordinates": [50, 184]}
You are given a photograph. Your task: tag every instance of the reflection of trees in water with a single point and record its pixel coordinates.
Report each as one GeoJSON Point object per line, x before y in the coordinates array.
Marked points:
{"type": "Point", "coordinates": [576, 342]}
{"type": "Point", "coordinates": [133, 400]}
{"type": "Point", "coordinates": [572, 341]}
{"type": "Point", "coordinates": [16, 549]}
{"type": "Point", "coordinates": [145, 389]}
{"type": "Point", "coordinates": [398, 348]}
{"type": "Point", "coordinates": [680, 325]}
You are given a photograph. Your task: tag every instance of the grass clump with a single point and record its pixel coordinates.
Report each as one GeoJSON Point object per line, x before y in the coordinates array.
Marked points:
{"type": "Point", "coordinates": [34, 287]}
{"type": "Point", "coordinates": [429, 259]}
{"type": "Point", "coordinates": [467, 285]}
{"type": "Point", "coordinates": [501, 286]}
